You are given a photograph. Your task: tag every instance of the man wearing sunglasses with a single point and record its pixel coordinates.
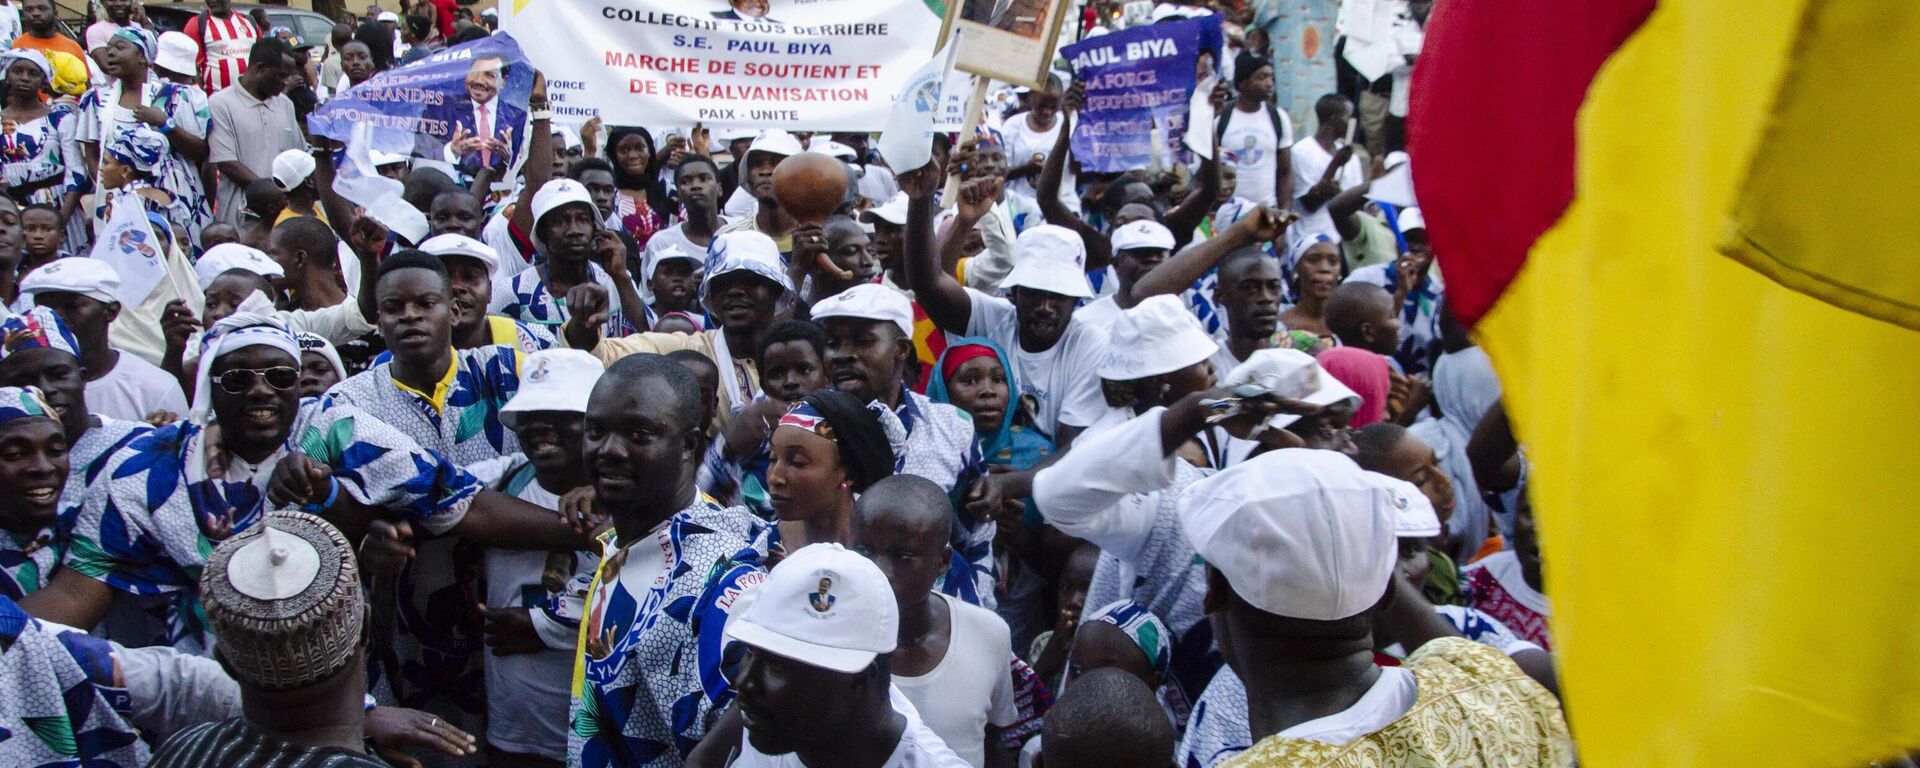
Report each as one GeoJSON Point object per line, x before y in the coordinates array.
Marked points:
{"type": "Point", "coordinates": [165, 499]}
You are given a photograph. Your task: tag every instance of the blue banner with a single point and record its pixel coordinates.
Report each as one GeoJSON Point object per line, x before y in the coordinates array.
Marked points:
{"type": "Point", "coordinates": [1137, 79]}
{"type": "Point", "coordinates": [465, 105]}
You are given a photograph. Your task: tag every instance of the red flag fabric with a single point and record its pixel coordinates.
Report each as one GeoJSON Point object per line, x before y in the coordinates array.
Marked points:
{"type": "Point", "coordinates": [1491, 128]}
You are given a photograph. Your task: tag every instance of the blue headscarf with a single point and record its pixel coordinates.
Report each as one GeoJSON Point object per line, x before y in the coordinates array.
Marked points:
{"type": "Point", "coordinates": [1145, 629]}
{"type": "Point", "coordinates": [23, 403]}
{"type": "Point", "coordinates": [35, 328]}
{"type": "Point", "coordinates": [1019, 447]}
{"type": "Point", "coordinates": [141, 147]}
{"type": "Point", "coordinates": [148, 43]}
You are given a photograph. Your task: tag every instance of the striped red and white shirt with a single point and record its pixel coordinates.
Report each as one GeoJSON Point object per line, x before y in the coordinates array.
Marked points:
{"type": "Point", "coordinates": [224, 46]}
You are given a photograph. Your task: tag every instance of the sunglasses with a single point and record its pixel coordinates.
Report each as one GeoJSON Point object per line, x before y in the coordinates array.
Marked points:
{"type": "Point", "coordinates": [239, 381]}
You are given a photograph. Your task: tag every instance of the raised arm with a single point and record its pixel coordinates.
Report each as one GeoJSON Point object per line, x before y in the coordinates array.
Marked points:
{"type": "Point", "coordinates": [946, 302]}
{"type": "Point", "coordinates": [976, 198]}
{"type": "Point", "coordinates": [1329, 184]}
{"type": "Point", "coordinates": [1193, 210]}
{"type": "Point", "coordinates": [539, 164]}
{"type": "Point", "coordinates": [1052, 175]}
{"type": "Point", "coordinates": [1177, 273]}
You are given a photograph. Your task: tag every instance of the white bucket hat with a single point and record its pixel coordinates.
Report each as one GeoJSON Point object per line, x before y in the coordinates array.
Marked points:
{"type": "Point", "coordinates": [557, 193]}
{"type": "Point", "coordinates": [1050, 258]}
{"type": "Point", "coordinates": [178, 53]}
{"type": "Point", "coordinates": [1156, 336]}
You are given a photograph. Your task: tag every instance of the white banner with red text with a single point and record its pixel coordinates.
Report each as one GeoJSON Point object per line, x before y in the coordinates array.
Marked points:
{"type": "Point", "coordinates": [806, 65]}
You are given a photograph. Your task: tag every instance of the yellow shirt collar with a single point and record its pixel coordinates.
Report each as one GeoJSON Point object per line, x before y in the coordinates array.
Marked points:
{"type": "Point", "coordinates": [440, 389]}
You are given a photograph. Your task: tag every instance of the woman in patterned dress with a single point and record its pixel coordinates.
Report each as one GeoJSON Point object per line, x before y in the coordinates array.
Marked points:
{"type": "Point", "coordinates": [36, 137]}
{"type": "Point", "coordinates": [641, 203]}
{"type": "Point", "coordinates": [133, 98]}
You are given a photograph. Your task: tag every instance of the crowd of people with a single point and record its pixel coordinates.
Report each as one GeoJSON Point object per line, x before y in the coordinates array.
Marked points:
{"type": "Point", "coordinates": [1005, 463]}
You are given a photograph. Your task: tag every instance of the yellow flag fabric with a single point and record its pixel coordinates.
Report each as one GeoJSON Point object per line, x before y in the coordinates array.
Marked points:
{"type": "Point", "coordinates": [1723, 467]}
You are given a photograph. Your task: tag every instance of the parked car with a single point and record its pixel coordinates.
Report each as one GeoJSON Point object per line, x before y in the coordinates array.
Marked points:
{"type": "Point", "coordinates": [309, 27]}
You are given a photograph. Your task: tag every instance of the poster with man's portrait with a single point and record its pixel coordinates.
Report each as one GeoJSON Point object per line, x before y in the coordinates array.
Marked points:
{"type": "Point", "coordinates": [1010, 40]}
{"type": "Point", "coordinates": [465, 106]}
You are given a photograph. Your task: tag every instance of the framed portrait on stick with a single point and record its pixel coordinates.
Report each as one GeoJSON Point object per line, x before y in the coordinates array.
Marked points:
{"type": "Point", "coordinates": [1008, 40]}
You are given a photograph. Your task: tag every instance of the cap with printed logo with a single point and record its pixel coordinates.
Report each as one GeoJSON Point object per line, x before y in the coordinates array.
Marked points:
{"type": "Point", "coordinates": [824, 606]}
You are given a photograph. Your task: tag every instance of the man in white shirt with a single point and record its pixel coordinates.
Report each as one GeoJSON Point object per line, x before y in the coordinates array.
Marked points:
{"type": "Point", "coordinates": [120, 386]}
{"type": "Point", "coordinates": [952, 656]}
{"type": "Point", "coordinates": [813, 682]}
{"type": "Point", "coordinates": [1054, 354]}
{"type": "Point", "coordinates": [1255, 134]}
{"type": "Point", "coordinates": [534, 597]}
{"type": "Point", "coordinates": [1030, 135]}
{"type": "Point", "coordinates": [1315, 182]}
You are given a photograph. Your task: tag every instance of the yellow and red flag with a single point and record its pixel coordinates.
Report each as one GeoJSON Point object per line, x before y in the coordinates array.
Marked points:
{"type": "Point", "coordinates": [1683, 232]}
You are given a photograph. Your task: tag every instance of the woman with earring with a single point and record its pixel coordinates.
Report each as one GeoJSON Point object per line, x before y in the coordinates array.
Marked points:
{"type": "Point", "coordinates": [829, 448]}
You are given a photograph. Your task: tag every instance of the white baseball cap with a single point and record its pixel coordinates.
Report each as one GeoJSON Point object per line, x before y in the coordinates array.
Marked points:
{"type": "Point", "coordinates": [835, 150]}
{"type": "Point", "coordinates": [774, 141]}
{"type": "Point", "coordinates": [893, 211]}
{"type": "Point", "coordinates": [381, 158]}
{"type": "Point", "coordinates": [490, 12]}
{"type": "Point", "coordinates": [1416, 520]}
{"type": "Point", "coordinates": [668, 252]}
{"type": "Point", "coordinates": [1142, 234]}
{"type": "Point", "coordinates": [178, 53]}
{"type": "Point", "coordinates": [456, 244]}
{"type": "Point", "coordinates": [1300, 533]}
{"type": "Point", "coordinates": [553, 380]}
{"type": "Point", "coordinates": [1050, 258]}
{"type": "Point", "coordinates": [869, 301]}
{"type": "Point", "coordinates": [1156, 336]}
{"type": "Point", "coordinates": [1411, 219]}
{"type": "Point", "coordinates": [87, 276]}
{"type": "Point", "coordinates": [292, 167]}
{"type": "Point", "coordinates": [1291, 374]}
{"type": "Point", "coordinates": [226, 257]}
{"type": "Point", "coordinates": [556, 193]}
{"type": "Point", "coordinates": [388, 16]}
{"type": "Point", "coordinates": [824, 606]}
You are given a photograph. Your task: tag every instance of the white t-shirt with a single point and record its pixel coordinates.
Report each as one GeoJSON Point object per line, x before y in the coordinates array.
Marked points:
{"type": "Point", "coordinates": [1025, 144]}
{"type": "Point", "coordinates": [9, 21]}
{"type": "Point", "coordinates": [1250, 145]}
{"type": "Point", "coordinates": [919, 747]}
{"type": "Point", "coordinates": [529, 692]}
{"type": "Point", "coordinates": [1100, 313]}
{"type": "Point", "coordinates": [972, 687]}
{"type": "Point", "coordinates": [1309, 162]}
{"type": "Point", "coordinates": [135, 389]}
{"type": "Point", "coordinates": [1063, 379]}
